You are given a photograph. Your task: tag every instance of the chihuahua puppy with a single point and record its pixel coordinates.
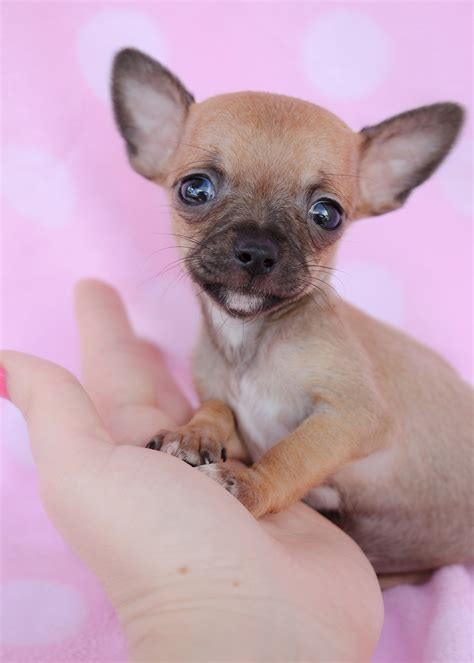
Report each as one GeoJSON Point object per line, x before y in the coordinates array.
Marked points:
{"type": "Point", "coordinates": [327, 404]}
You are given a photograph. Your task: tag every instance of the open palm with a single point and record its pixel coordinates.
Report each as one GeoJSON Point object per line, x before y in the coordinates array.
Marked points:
{"type": "Point", "coordinates": [182, 560]}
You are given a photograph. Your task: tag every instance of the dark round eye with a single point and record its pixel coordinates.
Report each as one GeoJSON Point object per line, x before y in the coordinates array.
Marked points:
{"type": "Point", "coordinates": [196, 190]}
{"type": "Point", "coordinates": [326, 214]}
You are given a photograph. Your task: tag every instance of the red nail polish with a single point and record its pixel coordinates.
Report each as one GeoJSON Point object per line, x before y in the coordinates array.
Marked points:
{"type": "Point", "coordinates": [3, 384]}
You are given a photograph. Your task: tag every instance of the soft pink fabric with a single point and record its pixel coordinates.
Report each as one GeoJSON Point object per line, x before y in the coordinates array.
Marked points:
{"type": "Point", "coordinates": [73, 208]}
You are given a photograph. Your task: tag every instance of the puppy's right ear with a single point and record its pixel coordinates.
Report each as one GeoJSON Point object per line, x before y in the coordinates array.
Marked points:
{"type": "Point", "coordinates": [150, 107]}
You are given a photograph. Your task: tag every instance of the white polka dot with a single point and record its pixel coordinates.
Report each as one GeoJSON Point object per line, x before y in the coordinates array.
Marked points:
{"type": "Point", "coordinates": [15, 432]}
{"type": "Point", "coordinates": [449, 636]}
{"type": "Point", "coordinates": [346, 54]}
{"type": "Point", "coordinates": [37, 612]}
{"type": "Point", "coordinates": [373, 289]}
{"type": "Point", "coordinates": [455, 178]}
{"type": "Point", "coordinates": [106, 33]}
{"type": "Point", "coordinates": [37, 185]}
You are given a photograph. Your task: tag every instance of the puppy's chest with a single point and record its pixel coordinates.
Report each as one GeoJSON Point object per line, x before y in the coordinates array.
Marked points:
{"type": "Point", "coordinates": [253, 374]}
{"type": "Point", "coordinates": [265, 410]}
{"type": "Point", "coordinates": [264, 392]}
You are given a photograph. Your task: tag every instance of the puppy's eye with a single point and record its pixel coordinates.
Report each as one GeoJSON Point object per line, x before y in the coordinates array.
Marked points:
{"type": "Point", "coordinates": [326, 214]}
{"type": "Point", "coordinates": [196, 190]}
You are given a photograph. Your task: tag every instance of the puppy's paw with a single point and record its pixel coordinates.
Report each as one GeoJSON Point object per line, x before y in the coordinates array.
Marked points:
{"type": "Point", "coordinates": [196, 446]}
{"type": "Point", "coordinates": [225, 476]}
{"type": "Point", "coordinates": [241, 483]}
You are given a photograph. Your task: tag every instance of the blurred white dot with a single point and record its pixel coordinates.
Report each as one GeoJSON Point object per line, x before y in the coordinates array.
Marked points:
{"type": "Point", "coordinates": [38, 185]}
{"type": "Point", "coordinates": [105, 33]}
{"type": "Point", "coordinates": [455, 178]}
{"type": "Point", "coordinates": [37, 612]}
{"type": "Point", "coordinates": [443, 643]}
{"type": "Point", "coordinates": [15, 432]}
{"type": "Point", "coordinates": [375, 290]}
{"type": "Point", "coordinates": [346, 54]}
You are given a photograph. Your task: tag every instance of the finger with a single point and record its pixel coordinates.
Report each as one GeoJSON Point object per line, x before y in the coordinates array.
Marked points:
{"type": "Point", "coordinates": [126, 377]}
{"type": "Point", "coordinates": [66, 433]}
{"type": "Point", "coordinates": [170, 398]}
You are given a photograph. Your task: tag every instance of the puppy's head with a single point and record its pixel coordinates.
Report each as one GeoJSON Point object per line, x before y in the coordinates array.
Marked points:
{"type": "Point", "coordinates": [262, 186]}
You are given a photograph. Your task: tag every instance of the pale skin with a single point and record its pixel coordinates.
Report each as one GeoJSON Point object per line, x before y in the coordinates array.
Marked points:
{"type": "Point", "coordinates": [191, 573]}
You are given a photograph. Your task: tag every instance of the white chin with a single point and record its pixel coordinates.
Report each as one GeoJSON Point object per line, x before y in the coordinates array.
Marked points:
{"type": "Point", "coordinates": [239, 303]}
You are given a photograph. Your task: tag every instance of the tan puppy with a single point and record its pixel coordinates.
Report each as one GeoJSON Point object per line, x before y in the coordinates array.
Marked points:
{"type": "Point", "coordinates": [334, 407]}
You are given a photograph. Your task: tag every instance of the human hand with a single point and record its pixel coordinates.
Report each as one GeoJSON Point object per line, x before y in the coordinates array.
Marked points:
{"type": "Point", "coordinates": [192, 575]}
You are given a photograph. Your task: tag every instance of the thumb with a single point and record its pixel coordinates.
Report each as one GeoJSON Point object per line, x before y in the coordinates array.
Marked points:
{"type": "Point", "coordinates": [66, 434]}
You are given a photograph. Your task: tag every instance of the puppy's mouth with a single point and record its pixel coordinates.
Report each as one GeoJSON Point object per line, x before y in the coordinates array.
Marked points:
{"type": "Point", "coordinates": [242, 303]}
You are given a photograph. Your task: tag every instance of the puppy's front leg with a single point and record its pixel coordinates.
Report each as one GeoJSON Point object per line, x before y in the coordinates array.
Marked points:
{"type": "Point", "coordinates": [208, 437]}
{"type": "Point", "coordinates": [316, 450]}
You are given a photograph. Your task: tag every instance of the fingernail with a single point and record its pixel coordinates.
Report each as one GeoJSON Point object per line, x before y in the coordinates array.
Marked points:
{"type": "Point", "coordinates": [3, 384]}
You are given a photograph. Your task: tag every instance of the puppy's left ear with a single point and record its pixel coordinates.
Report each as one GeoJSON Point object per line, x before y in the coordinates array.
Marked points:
{"type": "Point", "coordinates": [401, 153]}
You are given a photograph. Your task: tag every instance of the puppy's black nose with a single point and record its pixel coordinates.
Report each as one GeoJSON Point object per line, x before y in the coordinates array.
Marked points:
{"type": "Point", "coordinates": [257, 256]}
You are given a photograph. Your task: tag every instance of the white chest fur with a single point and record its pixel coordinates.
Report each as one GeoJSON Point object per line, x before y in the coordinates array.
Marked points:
{"type": "Point", "coordinates": [248, 374]}
{"type": "Point", "coordinates": [259, 413]}
{"type": "Point", "coordinates": [254, 383]}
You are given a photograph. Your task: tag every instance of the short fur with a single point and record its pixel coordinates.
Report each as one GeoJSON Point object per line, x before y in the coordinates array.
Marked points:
{"type": "Point", "coordinates": [331, 405]}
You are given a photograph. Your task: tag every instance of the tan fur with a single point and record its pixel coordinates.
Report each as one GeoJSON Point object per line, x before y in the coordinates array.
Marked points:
{"type": "Point", "coordinates": [389, 581]}
{"type": "Point", "coordinates": [333, 406]}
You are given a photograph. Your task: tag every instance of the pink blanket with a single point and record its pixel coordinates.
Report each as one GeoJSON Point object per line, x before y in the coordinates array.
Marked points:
{"type": "Point", "coordinates": [72, 208]}
{"type": "Point", "coordinates": [54, 611]}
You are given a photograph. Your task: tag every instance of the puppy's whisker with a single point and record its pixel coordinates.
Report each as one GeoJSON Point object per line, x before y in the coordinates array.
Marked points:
{"type": "Point", "coordinates": [193, 240]}
{"type": "Point", "coordinates": [179, 262]}
{"type": "Point", "coordinates": [308, 282]}
{"type": "Point", "coordinates": [164, 248]}
{"type": "Point", "coordinates": [174, 265]}
{"type": "Point", "coordinates": [171, 284]}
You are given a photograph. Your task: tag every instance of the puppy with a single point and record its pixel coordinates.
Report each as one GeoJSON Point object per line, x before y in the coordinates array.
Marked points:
{"type": "Point", "coordinates": [330, 405]}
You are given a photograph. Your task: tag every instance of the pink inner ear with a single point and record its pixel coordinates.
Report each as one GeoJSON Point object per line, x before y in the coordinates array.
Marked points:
{"type": "Point", "coordinates": [150, 107]}
{"type": "Point", "coordinates": [402, 152]}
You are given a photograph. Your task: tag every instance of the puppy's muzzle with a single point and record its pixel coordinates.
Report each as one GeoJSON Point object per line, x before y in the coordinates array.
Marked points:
{"type": "Point", "coordinates": [256, 256]}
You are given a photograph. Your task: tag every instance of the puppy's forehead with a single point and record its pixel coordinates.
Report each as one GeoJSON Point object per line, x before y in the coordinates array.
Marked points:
{"type": "Point", "coordinates": [260, 133]}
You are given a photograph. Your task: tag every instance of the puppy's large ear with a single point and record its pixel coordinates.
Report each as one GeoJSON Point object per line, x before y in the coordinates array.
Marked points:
{"type": "Point", "coordinates": [402, 152]}
{"type": "Point", "coordinates": [150, 107]}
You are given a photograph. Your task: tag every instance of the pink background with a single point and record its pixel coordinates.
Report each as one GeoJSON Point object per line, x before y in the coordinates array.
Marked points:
{"type": "Point", "coordinates": [73, 208]}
